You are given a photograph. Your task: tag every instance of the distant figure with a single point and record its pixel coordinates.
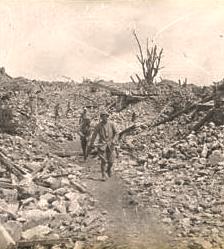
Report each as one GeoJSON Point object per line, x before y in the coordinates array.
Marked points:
{"type": "Point", "coordinates": [83, 115]}
{"type": "Point", "coordinates": [133, 117]}
{"type": "Point", "coordinates": [84, 132]}
{"type": "Point", "coordinates": [106, 145]}
{"type": "Point", "coordinates": [69, 109]}
{"type": "Point", "coordinates": [56, 111]}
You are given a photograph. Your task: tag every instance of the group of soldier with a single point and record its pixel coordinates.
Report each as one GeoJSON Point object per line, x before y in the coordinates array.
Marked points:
{"type": "Point", "coordinates": [107, 138]}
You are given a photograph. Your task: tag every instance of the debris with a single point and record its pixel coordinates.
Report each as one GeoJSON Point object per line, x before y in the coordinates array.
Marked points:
{"type": "Point", "coordinates": [169, 159]}
{"type": "Point", "coordinates": [102, 238]}
{"type": "Point", "coordinates": [14, 228]}
{"type": "Point", "coordinates": [78, 245]}
{"type": "Point", "coordinates": [36, 232]}
{"type": "Point", "coordinates": [6, 240]}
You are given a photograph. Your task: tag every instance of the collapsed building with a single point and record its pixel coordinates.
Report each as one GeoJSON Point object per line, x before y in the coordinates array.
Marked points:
{"type": "Point", "coordinates": [172, 149]}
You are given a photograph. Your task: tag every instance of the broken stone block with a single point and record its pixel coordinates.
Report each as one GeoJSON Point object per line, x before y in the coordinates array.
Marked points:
{"type": "Point", "coordinates": [74, 208]}
{"type": "Point", "coordinates": [102, 238]}
{"type": "Point", "coordinates": [48, 197]}
{"type": "Point", "coordinates": [65, 182]}
{"type": "Point", "coordinates": [10, 195]}
{"type": "Point", "coordinates": [78, 186]}
{"type": "Point", "coordinates": [6, 241]}
{"type": "Point", "coordinates": [162, 162]}
{"type": "Point", "coordinates": [168, 152]}
{"type": "Point", "coordinates": [215, 145]}
{"type": "Point", "coordinates": [54, 183]}
{"type": "Point", "coordinates": [27, 188]}
{"type": "Point", "coordinates": [59, 206]}
{"type": "Point", "coordinates": [56, 247]}
{"type": "Point", "coordinates": [36, 217]}
{"type": "Point", "coordinates": [3, 218]}
{"type": "Point", "coordinates": [28, 201]}
{"type": "Point", "coordinates": [129, 143]}
{"type": "Point", "coordinates": [10, 209]}
{"type": "Point", "coordinates": [59, 219]}
{"type": "Point", "coordinates": [14, 228]}
{"type": "Point", "coordinates": [167, 220]}
{"type": "Point", "coordinates": [92, 217]}
{"type": "Point", "coordinates": [61, 191]}
{"type": "Point", "coordinates": [216, 157]}
{"type": "Point", "coordinates": [200, 243]}
{"type": "Point", "coordinates": [203, 161]}
{"type": "Point", "coordinates": [43, 204]}
{"type": "Point", "coordinates": [39, 247]}
{"type": "Point", "coordinates": [36, 232]}
{"type": "Point", "coordinates": [72, 196]}
{"type": "Point", "coordinates": [204, 152]}
{"type": "Point", "coordinates": [78, 245]}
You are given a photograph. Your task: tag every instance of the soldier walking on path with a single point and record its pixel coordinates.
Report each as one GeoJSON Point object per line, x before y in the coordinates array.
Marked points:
{"type": "Point", "coordinates": [84, 132]}
{"type": "Point", "coordinates": [83, 115]}
{"type": "Point", "coordinates": [106, 146]}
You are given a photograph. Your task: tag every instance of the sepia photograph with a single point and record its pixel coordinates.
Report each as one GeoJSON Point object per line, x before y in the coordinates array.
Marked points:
{"type": "Point", "coordinates": [112, 124]}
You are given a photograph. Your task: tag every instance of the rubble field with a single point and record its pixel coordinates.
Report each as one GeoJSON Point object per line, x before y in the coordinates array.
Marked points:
{"type": "Point", "coordinates": [166, 169]}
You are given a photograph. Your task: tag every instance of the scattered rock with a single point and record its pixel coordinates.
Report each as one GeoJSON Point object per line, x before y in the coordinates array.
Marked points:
{"type": "Point", "coordinates": [78, 245]}
{"type": "Point", "coordinates": [102, 238]}
{"type": "Point", "coordinates": [6, 241]}
{"type": "Point", "coordinates": [216, 157]}
{"type": "Point", "coordinates": [14, 228]}
{"type": "Point", "coordinates": [37, 232]}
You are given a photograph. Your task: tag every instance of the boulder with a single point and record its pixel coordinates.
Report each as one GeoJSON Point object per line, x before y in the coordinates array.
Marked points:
{"type": "Point", "coordinates": [216, 157]}
{"type": "Point", "coordinates": [14, 228]}
{"type": "Point", "coordinates": [36, 217]}
{"type": "Point", "coordinates": [37, 232]}
{"type": "Point", "coordinates": [54, 183]}
{"type": "Point", "coordinates": [48, 197]}
{"type": "Point", "coordinates": [60, 206]}
{"type": "Point", "coordinates": [6, 241]}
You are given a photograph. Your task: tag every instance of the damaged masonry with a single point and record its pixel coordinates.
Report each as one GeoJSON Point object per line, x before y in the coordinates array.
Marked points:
{"type": "Point", "coordinates": [168, 175]}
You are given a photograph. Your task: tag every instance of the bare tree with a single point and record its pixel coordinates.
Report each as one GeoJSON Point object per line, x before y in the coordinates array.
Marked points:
{"type": "Point", "coordinates": [150, 63]}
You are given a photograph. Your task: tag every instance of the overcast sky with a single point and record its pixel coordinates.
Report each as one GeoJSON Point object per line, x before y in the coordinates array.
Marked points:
{"type": "Point", "coordinates": [49, 39]}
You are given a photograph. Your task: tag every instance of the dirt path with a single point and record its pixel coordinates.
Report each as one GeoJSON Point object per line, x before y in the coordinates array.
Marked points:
{"type": "Point", "coordinates": [127, 224]}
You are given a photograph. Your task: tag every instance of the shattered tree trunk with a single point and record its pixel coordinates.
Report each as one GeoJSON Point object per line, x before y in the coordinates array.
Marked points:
{"type": "Point", "coordinates": [150, 64]}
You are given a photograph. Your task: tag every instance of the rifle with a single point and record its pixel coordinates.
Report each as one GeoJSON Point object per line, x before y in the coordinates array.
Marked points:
{"type": "Point", "coordinates": [98, 145]}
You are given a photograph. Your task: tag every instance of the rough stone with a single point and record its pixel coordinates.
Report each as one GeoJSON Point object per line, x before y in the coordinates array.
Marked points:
{"type": "Point", "coordinates": [48, 197]}
{"type": "Point", "coordinates": [216, 157]}
{"type": "Point", "coordinates": [6, 241]}
{"type": "Point", "coordinates": [43, 204]}
{"type": "Point", "coordinates": [53, 182]}
{"type": "Point", "coordinates": [102, 238]}
{"type": "Point", "coordinates": [14, 228]}
{"type": "Point", "coordinates": [36, 217]}
{"type": "Point", "coordinates": [36, 232]}
{"type": "Point", "coordinates": [60, 206]}
{"type": "Point", "coordinates": [79, 245]}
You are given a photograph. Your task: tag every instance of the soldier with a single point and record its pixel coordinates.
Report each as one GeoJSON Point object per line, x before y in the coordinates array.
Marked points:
{"type": "Point", "coordinates": [106, 146]}
{"type": "Point", "coordinates": [83, 115]}
{"type": "Point", "coordinates": [84, 132]}
{"type": "Point", "coordinates": [56, 111]}
{"type": "Point", "coordinates": [69, 109]}
{"type": "Point", "coordinates": [133, 117]}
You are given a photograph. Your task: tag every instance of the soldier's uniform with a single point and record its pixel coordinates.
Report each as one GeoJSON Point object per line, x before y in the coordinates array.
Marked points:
{"type": "Point", "coordinates": [106, 144]}
{"type": "Point", "coordinates": [84, 132]}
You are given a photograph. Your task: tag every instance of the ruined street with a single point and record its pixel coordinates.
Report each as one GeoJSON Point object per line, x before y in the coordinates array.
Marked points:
{"type": "Point", "coordinates": [166, 190]}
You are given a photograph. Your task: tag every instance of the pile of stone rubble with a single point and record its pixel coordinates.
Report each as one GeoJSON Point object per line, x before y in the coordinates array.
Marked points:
{"type": "Point", "coordinates": [42, 194]}
{"type": "Point", "coordinates": [182, 181]}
